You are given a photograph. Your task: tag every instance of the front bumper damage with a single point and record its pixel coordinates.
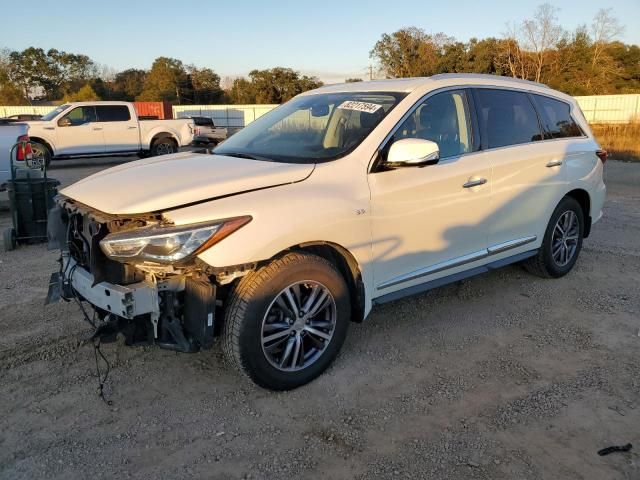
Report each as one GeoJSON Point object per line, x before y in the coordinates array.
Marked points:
{"type": "Point", "coordinates": [174, 309]}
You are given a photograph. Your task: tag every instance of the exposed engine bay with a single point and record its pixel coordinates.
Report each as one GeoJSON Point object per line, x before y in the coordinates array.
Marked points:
{"type": "Point", "coordinates": [171, 305]}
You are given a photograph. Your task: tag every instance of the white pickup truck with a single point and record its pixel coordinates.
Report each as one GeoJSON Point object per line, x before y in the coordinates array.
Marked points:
{"type": "Point", "coordinates": [105, 128]}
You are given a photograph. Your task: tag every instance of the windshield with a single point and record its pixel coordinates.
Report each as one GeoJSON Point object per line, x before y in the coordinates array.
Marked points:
{"type": "Point", "coordinates": [54, 113]}
{"type": "Point", "coordinates": [312, 128]}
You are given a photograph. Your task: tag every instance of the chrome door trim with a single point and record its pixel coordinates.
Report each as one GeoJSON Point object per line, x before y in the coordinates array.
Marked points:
{"type": "Point", "coordinates": [458, 261]}
{"type": "Point", "coordinates": [438, 267]}
{"type": "Point", "coordinates": [518, 242]}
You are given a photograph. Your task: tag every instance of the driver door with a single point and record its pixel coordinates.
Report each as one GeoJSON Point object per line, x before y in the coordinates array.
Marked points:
{"type": "Point", "coordinates": [429, 222]}
{"type": "Point", "coordinates": [78, 132]}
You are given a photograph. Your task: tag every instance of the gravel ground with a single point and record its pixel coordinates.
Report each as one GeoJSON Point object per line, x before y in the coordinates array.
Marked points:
{"type": "Point", "coordinates": [504, 376]}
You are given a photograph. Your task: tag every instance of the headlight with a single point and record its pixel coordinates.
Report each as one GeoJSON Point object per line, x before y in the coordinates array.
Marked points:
{"type": "Point", "coordinates": [168, 244]}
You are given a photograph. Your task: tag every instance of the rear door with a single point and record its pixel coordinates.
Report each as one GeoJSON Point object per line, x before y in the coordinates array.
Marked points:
{"type": "Point", "coordinates": [120, 128]}
{"type": "Point", "coordinates": [79, 133]}
{"type": "Point", "coordinates": [527, 173]}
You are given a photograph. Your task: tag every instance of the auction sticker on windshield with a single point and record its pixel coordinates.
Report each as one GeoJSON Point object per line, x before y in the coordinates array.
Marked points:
{"type": "Point", "coordinates": [360, 106]}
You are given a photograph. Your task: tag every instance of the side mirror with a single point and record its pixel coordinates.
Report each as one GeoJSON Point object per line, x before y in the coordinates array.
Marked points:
{"type": "Point", "coordinates": [319, 110]}
{"type": "Point", "coordinates": [64, 122]}
{"type": "Point", "coordinates": [413, 152]}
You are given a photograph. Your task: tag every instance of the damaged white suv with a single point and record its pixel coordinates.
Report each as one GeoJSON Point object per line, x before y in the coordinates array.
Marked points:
{"type": "Point", "coordinates": [344, 197]}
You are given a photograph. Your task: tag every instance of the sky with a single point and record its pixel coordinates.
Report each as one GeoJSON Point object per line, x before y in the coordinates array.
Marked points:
{"type": "Point", "coordinates": [330, 39]}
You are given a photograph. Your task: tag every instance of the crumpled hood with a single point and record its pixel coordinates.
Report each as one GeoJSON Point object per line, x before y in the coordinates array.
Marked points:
{"type": "Point", "coordinates": [169, 181]}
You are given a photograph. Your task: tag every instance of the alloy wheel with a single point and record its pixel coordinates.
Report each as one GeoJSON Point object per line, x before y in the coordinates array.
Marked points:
{"type": "Point", "coordinates": [564, 242]}
{"type": "Point", "coordinates": [298, 326]}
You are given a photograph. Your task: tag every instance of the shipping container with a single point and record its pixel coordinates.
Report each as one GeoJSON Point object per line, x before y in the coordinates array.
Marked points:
{"type": "Point", "coordinates": [158, 110]}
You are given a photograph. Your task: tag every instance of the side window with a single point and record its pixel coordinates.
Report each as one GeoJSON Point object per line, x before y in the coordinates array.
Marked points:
{"type": "Point", "coordinates": [443, 119]}
{"type": "Point", "coordinates": [113, 113]}
{"type": "Point", "coordinates": [556, 118]}
{"type": "Point", "coordinates": [506, 118]}
{"type": "Point", "coordinates": [81, 115]}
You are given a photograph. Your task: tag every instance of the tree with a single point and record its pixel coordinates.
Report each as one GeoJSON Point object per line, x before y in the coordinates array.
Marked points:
{"type": "Point", "coordinates": [205, 85]}
{"type": "Point", "coordinates": [128, 84]}
{"type": "Point", "coordinates": [85, 94]}
{"type": "Point", "coordinates": [167, 80]}
{"type": "Point", "coordinates": [10, 94]}
{"type": "Point", "coordinates": [352, 80]}
{"type": "Point", "coordinates": [276, 85]}
{"type": "Point", "coordinates": [540, 35]}
{"type": "Point", "coordinates": [410, 52]}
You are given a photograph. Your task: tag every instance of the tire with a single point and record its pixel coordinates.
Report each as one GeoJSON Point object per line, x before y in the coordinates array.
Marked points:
{"type": "Point", "coordinates": [41, 150]}
{"type": "Point", "coordinates": [163, 146]}
{"type": "Point", "coordinates": [544, 264]}
{"type": "Point", "coordinates": [247, 323]}
{"type": "Point", "coordinates": [9, 239]}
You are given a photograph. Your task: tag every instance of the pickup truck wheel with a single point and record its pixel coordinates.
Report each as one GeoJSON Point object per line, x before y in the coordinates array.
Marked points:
{"type": "Point", "coordinates": [562, 241]}
{"type": "Point", "coordinates": [163, 146]}
{"type": "Point", "coordinates": [41, 154]}
{"type": "Point", "coordinates": [9, 239]}
{"type": "Point", "coordinates": [285, 323]}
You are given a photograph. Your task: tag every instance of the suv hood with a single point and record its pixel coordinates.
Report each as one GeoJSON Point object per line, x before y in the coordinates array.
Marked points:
{"type": "Point", "coordinates": [170, 181]}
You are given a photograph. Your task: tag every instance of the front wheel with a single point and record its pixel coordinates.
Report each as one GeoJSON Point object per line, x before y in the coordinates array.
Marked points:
{"type": "Point", "coordinates": [285, 323]}
{"type": "Point", "coordinates": [562, 241]}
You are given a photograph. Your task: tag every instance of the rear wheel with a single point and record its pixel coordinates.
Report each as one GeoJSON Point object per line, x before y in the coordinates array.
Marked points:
{"type": "Point", "coordinates": [163, 146]}
{"type": "Point", "coordinates": [286, 322]}
{"type": "Point", "coordinates": [562, 241]}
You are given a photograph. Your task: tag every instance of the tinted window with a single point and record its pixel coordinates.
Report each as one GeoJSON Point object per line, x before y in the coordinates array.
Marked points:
{"type": "Point", "coordinates": [443, 119]}
{"type": "Point", "coordinates": [113, 113]}
{"type": "Point", "coordinates": [81, 115]}
{"type": "Point", "coordinates": [506, 118]}
{"type": "Point", "coordinates": [556, 118]}
{"type": "Point", "coordinates": [203, 121]}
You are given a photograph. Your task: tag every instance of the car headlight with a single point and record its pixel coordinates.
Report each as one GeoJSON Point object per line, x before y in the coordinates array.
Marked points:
{"type": "Point", "coordinates": [168, 244]}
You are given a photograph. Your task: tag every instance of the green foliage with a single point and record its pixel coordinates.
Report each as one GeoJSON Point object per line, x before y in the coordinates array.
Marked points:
{"type": "Point", "coordinates": [85, 94]}
{"type": "Point", "coordinates": [582, 63]}
{"type": "Point", "coordinates": [164, 81]}
{"type": "Point", "coordinates": [276, 85]}
{"type": "Point", "coordinates": [48, 75]}
{"type": "Point", "coordinates": [128, 85]}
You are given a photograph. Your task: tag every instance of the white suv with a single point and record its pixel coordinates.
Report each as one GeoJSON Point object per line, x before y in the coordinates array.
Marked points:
{"type": "Point", "coordinates": [345, 197]}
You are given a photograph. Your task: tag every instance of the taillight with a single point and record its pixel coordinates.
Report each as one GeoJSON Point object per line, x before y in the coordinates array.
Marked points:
{"type": "Point", "coordinates": [602, 155]}
{"type": "Point", "coordinates": [23, 151]}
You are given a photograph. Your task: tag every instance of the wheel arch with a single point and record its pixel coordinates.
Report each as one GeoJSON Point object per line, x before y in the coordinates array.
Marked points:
{"type": "Point", "coordinates": [582, 197]}
{"type": "Point", "coordinates": [157, 136]}
{"type": "Point", "coordinates": [44, 142]}
{"type": "Point", "coordinates": [348, 267]}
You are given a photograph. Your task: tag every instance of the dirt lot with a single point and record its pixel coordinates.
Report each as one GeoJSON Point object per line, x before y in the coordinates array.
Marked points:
{"type": "Point", "coordinates": [504, 376]}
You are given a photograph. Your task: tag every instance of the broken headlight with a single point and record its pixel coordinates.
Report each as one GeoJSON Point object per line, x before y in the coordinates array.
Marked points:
{"type": "Point", "coordinates": [168, 244]}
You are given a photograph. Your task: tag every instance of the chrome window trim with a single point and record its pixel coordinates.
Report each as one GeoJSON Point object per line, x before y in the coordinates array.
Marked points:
{"type": "Point", "coordinates": [415, 106]}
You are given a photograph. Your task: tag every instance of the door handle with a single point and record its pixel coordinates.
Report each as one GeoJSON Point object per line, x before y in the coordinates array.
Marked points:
{"type": "Point", "coordinates": [131, 128]}
{"type": "Point", "coordinates": [97, 128]}
{"type": "Point", "coordinates": [474, 182]}
{"type": "Point", "coordinates": [48, 128]}
{"type": "Point", "coordinates": [554, 163]}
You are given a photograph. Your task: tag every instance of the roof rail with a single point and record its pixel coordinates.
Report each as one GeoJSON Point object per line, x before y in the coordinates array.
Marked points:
{"type": "Point", "coordinates": [486, 76]}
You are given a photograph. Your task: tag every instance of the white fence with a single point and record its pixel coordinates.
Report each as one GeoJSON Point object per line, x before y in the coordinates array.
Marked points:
{"type": "Point", "coordinates": [224, 115]}
{"type": "Point", "coordinates": [610, 108]}
{"type": "Point", "coordinates": [597, 109]}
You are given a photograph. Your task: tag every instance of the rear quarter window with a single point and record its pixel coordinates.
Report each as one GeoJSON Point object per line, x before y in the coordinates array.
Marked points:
{"type": "Point", "coordinates": [506, 118]}
{"type": "Point", "coordinates": [556, 118]}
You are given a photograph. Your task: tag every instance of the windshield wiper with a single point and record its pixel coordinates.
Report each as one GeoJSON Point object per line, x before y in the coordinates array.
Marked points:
{"type": "Point", "coordinates": [245, 155]}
